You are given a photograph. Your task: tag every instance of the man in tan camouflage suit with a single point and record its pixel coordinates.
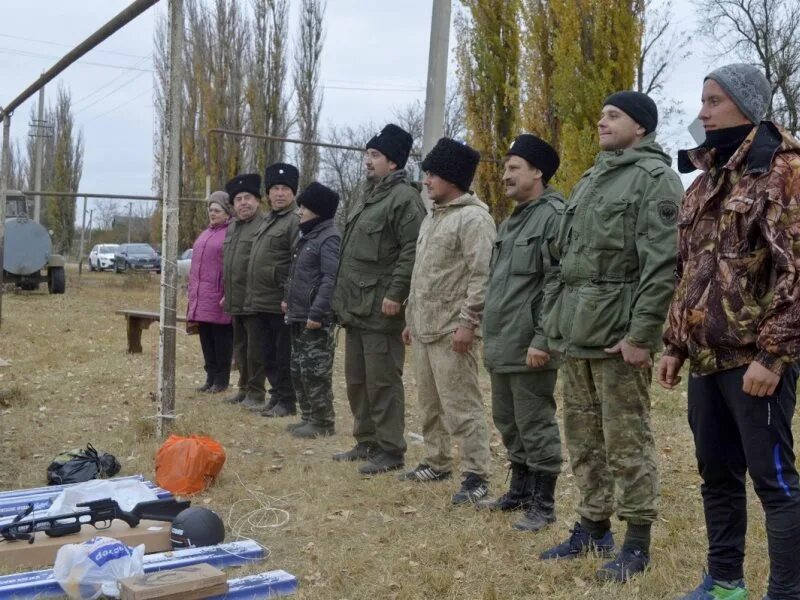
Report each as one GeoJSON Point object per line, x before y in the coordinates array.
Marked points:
{"type": "Point", "coordinates": [445, 310]}
{"type": "Point", "coordinates": [736, 318]}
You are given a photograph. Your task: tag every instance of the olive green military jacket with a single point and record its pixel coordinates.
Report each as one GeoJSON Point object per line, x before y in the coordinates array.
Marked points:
{"type": "Point", "coordinates": [617, 247]}
{"type": "Point", "coordinates": [521, 267]}
{"type": "Point", "coordinates": [235, 260]}
{"type": "Point", "coordinates": [377, 256]}
{"type": "Point", "coordinates": [270, 260]}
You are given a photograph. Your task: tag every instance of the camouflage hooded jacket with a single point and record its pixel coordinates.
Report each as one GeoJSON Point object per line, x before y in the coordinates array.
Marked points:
{"type": "Point", "coordinates": [738, 294]}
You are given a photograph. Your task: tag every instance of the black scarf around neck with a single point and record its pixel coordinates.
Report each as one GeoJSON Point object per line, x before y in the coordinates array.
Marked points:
{"type": "Point", "coordinates": [309, 225]}
{"type": "Point", "coordinates": [725, 142]}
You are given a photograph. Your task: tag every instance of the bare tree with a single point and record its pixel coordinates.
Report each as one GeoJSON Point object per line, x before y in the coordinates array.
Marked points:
{"type": "Point", "coordinates": [105, 211]}
{"type": "Point", "coordinates": [411, 117]}
{"type": "Point", "coordinates": [17, 167]}
{"type": "Point", "coordinates": [307, 84]}
{"type": "Point", "coordinates": [761, 32]}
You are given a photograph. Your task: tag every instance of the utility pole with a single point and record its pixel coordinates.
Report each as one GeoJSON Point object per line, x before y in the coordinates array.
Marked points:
{"type": "Point", "coordinates": [130, 219]}
{"type": "Point", "coordinates": [83, 238]}
{"type": "Point", "coordinates": [169, 223]}
{"type": "Point", "coordinates": [37, 172]}
{"type": "Point", "coordinates": [5, 164]}
{"type": "Point", "coordinates": [91, 223]}
{"type": "Point", "coordinates": [436, 90]}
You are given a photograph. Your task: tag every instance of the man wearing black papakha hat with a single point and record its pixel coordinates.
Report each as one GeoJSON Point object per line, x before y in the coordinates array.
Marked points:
{"type": "Point", "coordinates": [617, 246]}
{"type": "Point", "coordinates": [267, 274]}
{"type": "Point", "coordinates": [308, 310]}
{"type": "Point", "coordinates": [517, 356]}
{"type": "Point", "coordinates": [245, 194]}
{"type": "Point", "coordinates": [372, 283]}
{"type": "Point", "coordinates": [444, 315]}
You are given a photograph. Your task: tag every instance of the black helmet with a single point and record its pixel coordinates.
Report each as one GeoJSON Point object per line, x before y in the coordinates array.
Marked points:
{"type": "Point", "coordinates": [195, 527]}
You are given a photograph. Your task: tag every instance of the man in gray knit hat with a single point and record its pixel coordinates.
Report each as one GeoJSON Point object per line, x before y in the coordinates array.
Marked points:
{"type": "Point", "coordinates": [736, 318]}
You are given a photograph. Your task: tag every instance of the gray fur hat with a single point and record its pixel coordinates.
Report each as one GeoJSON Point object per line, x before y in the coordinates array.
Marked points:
{"type": "Point", "coordinates": [222, 200]}
{"type": "Point", "coordinates": [747, 86]}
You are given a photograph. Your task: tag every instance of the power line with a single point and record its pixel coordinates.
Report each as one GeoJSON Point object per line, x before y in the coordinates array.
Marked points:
{"type": "Point", "coordinates": [102, 87]}
{"type": "Point", "coordinates": [117, 107]}
{"type": "Point", "coordinates": [51, 43]}
{"type": "Point", "coordinates": [115, 90]}
{"type": "Point", "coordinates": [79, 62]}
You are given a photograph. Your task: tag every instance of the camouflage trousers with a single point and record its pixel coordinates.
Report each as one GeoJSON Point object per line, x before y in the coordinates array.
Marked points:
{"type": "Point", "coordinates": [451, 404]}
{"type": "Point", "coordinates": [312, 370]}
{"type": "Point", "coordinates": [610, 439]}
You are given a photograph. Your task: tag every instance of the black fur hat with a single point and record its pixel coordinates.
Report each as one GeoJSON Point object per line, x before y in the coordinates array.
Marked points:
{"type": "Point", "coordinates": [248, 182]}
{"type": "Point", "coordinates": [281, 174]}
{"type": "Point", "coordinates": [538, 153]}
{"type": "Point", "coordinates": [454, 161]}
{"type": "Point", "coordinates": [319, 199]}
{"type": "Point", "coordinates": [394, 143]}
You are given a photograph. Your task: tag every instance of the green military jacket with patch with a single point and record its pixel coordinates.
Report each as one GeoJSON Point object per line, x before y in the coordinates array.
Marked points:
{"type": "Point", "coordinates": [617, 247]}
{"type": "Point", "coordinates": [377, 256]}
{"type": "Point", "coordinates": [270, 260]}
{"type": "Point", "coordinates": [235, 259]}
{"type": "Point", "coordinates": [521, 267]}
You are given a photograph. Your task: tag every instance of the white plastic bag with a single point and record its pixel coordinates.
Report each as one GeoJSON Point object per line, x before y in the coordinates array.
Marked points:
{"type": "Point", "coordinates": [127, 493]}
{"type": "Point", "coordinates": [91, 569]}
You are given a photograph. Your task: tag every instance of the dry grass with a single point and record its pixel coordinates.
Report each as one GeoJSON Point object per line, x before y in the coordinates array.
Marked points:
{"type": "Point", "coordinates": [71, 382]}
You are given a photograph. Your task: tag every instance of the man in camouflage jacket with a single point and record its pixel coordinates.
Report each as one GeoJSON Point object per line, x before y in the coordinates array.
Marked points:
{"type": "Point", "coordinates": [736, 318]}
{"type": "Point", "coordinates": [617, 249]}
{"type": "Point", "coordinates": [445, 311]}
{"type": "Point", "coordinates": [372, 283]}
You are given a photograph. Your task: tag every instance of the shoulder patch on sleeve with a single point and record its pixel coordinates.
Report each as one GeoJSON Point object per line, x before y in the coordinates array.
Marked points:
{"type": "Point", "coordinates": [667, 211]}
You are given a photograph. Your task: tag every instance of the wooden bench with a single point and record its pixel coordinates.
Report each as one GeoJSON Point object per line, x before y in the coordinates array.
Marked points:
{"type": "Point", "coordinates": [137, 321]}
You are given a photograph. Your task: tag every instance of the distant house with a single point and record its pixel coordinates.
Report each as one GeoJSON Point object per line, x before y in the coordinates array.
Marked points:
{"type": "Point", "coordinates": [137, 223]}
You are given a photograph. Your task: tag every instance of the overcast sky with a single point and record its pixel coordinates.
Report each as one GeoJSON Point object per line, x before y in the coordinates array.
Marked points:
{"type": "Point", "coordinates": [375, 61]}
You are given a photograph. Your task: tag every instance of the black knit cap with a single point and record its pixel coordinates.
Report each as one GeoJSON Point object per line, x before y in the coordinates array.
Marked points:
{"type": "Point", "coordinates": [281, 174]}
{"type": "Point", "coordinates": [394, 143]}
{"type": "Point", "coordinates": [538, 153]}
{"type": "Point", "coordinates": [320, 199]}
{"type": "Point", "coordinates": [638, 106]}
{"type": "Point", "coordinates": [454, 161]}
{"type": "Point", "coordinates": [248, 182]}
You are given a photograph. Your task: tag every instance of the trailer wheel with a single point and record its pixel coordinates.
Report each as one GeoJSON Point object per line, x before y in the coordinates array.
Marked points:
{"type": "Point", "coordinates": [56, 280]}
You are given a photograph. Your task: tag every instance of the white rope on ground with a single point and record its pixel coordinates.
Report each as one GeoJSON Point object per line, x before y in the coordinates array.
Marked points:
{"type": "Point", "coordinates": [266, 516]}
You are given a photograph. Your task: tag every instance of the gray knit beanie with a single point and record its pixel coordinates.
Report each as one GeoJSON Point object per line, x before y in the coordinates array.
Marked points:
{"type": "Point", "coordinates": [222, 200]}
{"type": "Point", "coordinates": [747, 87]}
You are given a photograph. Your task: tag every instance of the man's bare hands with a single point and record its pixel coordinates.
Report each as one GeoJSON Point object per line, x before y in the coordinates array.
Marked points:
{"type": "Point", "coordinates": [462, 339]}
{"type": "Point", "coordinates": [536, 358]}
{"type": "Point", "coordinates": [632, 355]}
{"type": "Point", "coordinates": [390, 308]}
{"type": "Point", "coordinates": [759, 380]}
{"type": "Point", "coordinates": [668, 369]}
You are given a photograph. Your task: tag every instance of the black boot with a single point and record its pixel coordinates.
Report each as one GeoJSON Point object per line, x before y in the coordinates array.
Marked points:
{"type": "Point", "coordinates": [519, 494]}
{"type": "Point", "coordinates": [542, 510]}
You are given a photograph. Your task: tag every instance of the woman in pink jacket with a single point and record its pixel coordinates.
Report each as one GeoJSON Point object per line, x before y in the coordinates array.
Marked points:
{"type": "Point", "coordinates": [205, 293]}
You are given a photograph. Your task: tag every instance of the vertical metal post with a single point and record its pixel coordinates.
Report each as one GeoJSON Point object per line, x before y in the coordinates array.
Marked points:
{"type": "Point", "coordinates": [5, 164]}
{"type": "Point", "coordinates": [436, 90]}
{"type": "Point", "coordinates": [91, 225]}
{"type": "Point", "coordinates": [83, 238]}
{"type": "Point", "coordinates": [37, 172]}
{"type": "Point", "coordinates": [130, 220]}
{"type": "Point", "coordinates": [169, 223]}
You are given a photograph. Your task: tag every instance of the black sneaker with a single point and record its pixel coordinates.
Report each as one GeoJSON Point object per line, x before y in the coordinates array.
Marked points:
{"type": "Point", "coordinates": [360, 451]}
{"type": "Point", "coordinates": [629, 561]}
{"type": "Point", "coordinates": [205, 387]}
{"type": "Point", "coordinates": [278, 411]}
{"type": "Point", "coordinates": [424, 472]}
{"type": "Point", "coordinates": [311, 431]}
{"type": "Point", "coordinates": [217, 388]}
{"type": "Point", "coordinates": [473, 488]}
{"type": "Point", "coordinates": [238, 397]}
{"type": "Point", "coordinates": [292, 426]}
{"type": "Point", "coordinates": [381, 462]}
{"type": "Point", "coordinates": [580, 543]}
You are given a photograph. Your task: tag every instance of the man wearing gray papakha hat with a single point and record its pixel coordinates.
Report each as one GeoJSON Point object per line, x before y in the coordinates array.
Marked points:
{"type": "Point", "coordinates": [736, 318]}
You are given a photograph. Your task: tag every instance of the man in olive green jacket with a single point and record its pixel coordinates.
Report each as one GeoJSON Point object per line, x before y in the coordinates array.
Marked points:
{"type": "Point", "coordinates": [267, 274]}
{"type": "Point", "coordinates": [245, 194]}
{"type": "Point", "coordinates": [377, 258]}
{"type": "Point", "coordinates": [444, 315]}
{"type": "Point", "coordinates": [617, 246]}
{"type": "Point", "coordinates": [516, 352]}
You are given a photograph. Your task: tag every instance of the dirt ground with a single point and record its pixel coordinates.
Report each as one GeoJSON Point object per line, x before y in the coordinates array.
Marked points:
{"type": "Point", "coordinates": [344, 536]}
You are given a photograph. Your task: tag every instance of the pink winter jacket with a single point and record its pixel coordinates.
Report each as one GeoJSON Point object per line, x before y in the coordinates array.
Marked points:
{"type": "Point", "coordinates": [205, 278]}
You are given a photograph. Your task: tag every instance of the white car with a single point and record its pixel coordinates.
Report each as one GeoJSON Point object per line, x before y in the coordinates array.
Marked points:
{"type": "Point", "coordinates": [102, 257]}
{"type": "Point", "coordinates": [185, 263]}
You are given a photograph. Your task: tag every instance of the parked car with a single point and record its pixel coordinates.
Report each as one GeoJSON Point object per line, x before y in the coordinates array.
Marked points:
{"type": "Point", "coordinates": [102, 257]}
{"type": "Point", "coordinates": [139, 257]}
{"type": "Point", "coordinates": [185, 263]}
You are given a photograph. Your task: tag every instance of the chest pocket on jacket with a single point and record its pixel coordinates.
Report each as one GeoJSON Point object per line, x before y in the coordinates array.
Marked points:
{"type": "Point", "coordinates": [736, 226]}
{"type": "Point", "coordinates": [277, 240]}
{"type": "Point", "coordinates": [526, 256]}
{"type": "Point", "coordinates": [604, 224]}
{"type": "Point", "coordinates": [367, 245]}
